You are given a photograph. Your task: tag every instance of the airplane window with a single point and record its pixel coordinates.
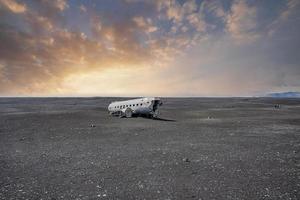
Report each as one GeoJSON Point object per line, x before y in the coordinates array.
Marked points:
{"type": "Point", "coordinates": [141, 104]}
{"type": "Point", "coordinates": [130, 105]}
{"type": "Point", "coordinates": [147, 102]}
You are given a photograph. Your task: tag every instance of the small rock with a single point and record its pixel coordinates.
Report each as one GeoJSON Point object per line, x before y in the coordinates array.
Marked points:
{"type": "Point", "coordinates": [93, 125]}
{"type": "Point", "coordinates": [186, 160]}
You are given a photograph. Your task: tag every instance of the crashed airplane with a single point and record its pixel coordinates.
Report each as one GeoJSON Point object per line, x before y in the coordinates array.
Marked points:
{"type": "Point", "coordinates": [142, 106]}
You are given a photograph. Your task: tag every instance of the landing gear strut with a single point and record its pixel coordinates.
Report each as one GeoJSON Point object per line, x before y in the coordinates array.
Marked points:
{"type": "Point", "coordinates": [128, 113]}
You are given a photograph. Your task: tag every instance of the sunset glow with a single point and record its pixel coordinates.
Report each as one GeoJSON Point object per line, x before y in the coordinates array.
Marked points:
{"type": "Point", "coordinates": [149, 48]}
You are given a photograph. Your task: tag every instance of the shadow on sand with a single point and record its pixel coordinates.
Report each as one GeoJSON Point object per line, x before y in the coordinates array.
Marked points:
{"type": "Point", "coordinates": [159, 119]}
{"type": "Point", "coordinates": [153, 118]}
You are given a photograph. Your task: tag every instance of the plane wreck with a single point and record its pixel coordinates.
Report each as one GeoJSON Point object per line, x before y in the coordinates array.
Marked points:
{"type": "Point", "coordinates": [143, 106]}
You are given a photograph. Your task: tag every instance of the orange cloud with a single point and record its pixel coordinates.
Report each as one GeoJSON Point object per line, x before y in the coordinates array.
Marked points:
{"type": "Point", "coordinates": [39, 60]}
{"type": "Point", "coordinates": [241, 22]}
{"type": "Point", "coordinates": [14, 6]}
{"type": "Point", "coordinates": [42, 53]}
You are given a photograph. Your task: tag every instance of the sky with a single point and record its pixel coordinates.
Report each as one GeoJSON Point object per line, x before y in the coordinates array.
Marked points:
{"type": "Point", "coordinates": [149, 47]}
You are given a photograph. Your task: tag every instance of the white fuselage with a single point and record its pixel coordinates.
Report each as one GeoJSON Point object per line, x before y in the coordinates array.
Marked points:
{"type": "Point", "coordinates": [136, 106]}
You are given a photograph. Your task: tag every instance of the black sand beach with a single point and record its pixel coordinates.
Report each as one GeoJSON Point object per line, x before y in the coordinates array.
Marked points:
{"type": "Point", "coordinates": [200, 148]}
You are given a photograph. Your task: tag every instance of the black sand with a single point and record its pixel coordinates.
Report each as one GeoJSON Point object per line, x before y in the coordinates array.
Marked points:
{"type": "Point", "coordinates": [201, 148]}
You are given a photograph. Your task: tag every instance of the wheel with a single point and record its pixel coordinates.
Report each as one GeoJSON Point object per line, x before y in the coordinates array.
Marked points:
{"type": "Point", "coordinates": [121, 114]}
{"type": "Point", "coordinates": [128, 113]}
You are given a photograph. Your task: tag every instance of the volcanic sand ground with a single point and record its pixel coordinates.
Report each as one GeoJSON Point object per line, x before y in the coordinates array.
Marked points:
{"type": "Point", "coordinates": [201, 148]}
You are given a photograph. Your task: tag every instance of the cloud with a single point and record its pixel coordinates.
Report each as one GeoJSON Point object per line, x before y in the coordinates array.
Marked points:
{"type": "Point", "coordinates": [241, 22]}
{"type": "Point", "coordinates": [82, 8]}
{"type": "Point", "coordinates": [145, 24]}
{"type": "Point", "coordinates": [14, 6]}
{"type": "Point", "coordinates": [290, 8]}
{"type": "Point", "coordinates": [189, 7]}
{"type": "Point", "coordinates": [196, 21]}
{"type": "Point", "coordinates": [175, 11]}
{"type": "Point", "coordinates": [36, 58]}
{"type": "Point", "coordinates": [140, 21]}
{"type": "Point", "coordinates": [58, 4]}
{"type": "Point", "coordinates": [217, 66]}
{"type": "Point", "coordinates": [183, 47]}
{"type": "Point", "coordinates": [119, 39]}
{"type": "Point", "coordinates": [215, 7]}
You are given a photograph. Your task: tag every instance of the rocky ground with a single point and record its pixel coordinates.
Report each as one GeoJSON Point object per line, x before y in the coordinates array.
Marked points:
{"type": "Point", "coordinates": [200, 148]}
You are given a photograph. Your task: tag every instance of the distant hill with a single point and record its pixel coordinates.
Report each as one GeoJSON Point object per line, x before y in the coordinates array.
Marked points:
{"type": "Point", "coordinates": [285, 95]}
